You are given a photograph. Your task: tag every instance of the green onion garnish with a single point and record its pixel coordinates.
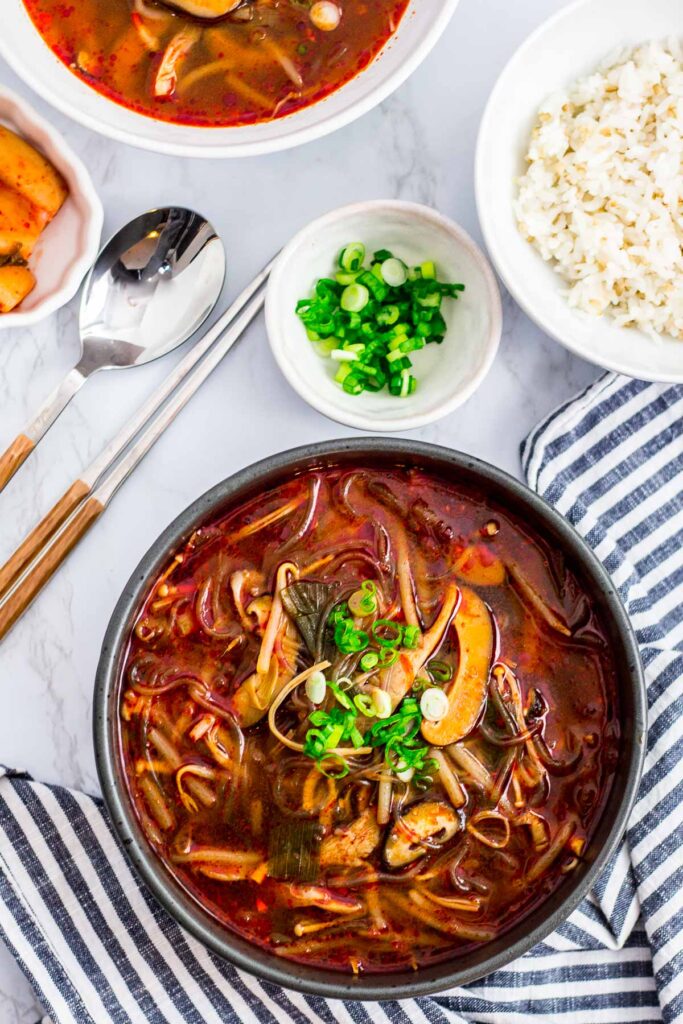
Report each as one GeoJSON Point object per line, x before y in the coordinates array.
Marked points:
{"type": "Point", "coordinates": [365, 705]}
{"type": "Point", "coordinates": [440, 671]}
{"type": "Point", "coordinates": [369, 661]}
{"type": "Point", "coordinates": [342, 697]}
{"type": "Point", "coordinates": [411, 637]}
{"type": "Point", "coordinates": [387, 633]}
{"type": "Point", "coordinates": [338, 729]}
{"type": "Point", "coordinates": [352, 257]}
{"type": "Point", "coordinates": [333, 766]}
{"type": "Point", "coordinates": [348, 639]}
{"type": "Point", "coordinates": [354, 298]}
{"type": "Point", "coordinates": [380, 641]}
{"type": "Point", "coordinates": [364, 601]}
{"type": "Point", "coordinates": [394, 272]}
{"type": "Point", "coordinates": [369, 318]}
{"type": "Point", "coordinates": [387, 656]}
{"type": "Point", "coordinates": [403, 750]}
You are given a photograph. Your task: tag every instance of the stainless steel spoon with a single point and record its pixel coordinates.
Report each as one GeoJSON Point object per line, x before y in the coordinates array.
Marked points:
{"type": "Point", "coordinates": [152, 285]}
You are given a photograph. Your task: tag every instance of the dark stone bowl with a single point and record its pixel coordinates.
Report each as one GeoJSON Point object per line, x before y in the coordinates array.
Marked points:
{"type": "Point", "coordinates": [532, 928]}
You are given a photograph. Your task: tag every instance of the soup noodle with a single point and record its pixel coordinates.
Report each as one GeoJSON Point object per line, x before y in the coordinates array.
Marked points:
{"type": "Point", "coordinates": [367, 720]}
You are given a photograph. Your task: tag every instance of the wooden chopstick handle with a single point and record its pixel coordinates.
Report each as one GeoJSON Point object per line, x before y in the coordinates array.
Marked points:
{"type": "Point", "coordinates": [19, 450]}
{"type": "Point", "coordinates": [18, 601]}
{"type": "Point", "coordinates": [30, 547]}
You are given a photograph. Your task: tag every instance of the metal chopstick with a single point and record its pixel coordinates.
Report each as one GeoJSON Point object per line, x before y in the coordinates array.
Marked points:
{"type": "Point", "coordinates": [62, 542]}
{"type": "Point", "coordinates": [83, 486]}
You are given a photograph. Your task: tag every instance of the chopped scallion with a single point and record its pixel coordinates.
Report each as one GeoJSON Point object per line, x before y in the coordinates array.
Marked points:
{"type": "Point", "coordinates": [394, 272]}
{"type": "Point", "coordinates": [371, 316]}
{"type": "Point", "coordinates": [352, 257]}
{"type": "Point", "coordinates": [341, 355]}
{"type": "Point", "coordinates": [354, 298]}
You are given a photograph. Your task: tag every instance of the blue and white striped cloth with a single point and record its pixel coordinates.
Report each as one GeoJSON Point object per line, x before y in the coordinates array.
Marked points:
{"type": "Point", "coordinates": [98, 949]}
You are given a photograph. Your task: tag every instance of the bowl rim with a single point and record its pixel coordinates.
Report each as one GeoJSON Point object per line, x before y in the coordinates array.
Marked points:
{"type": "Point", "coordinates": [307, 133]}
{"type": "Point", "coordinates": [488, 227]}
{"type": "Point", "coordinates": [33, 127]}
{"type": "Point", "coordinates": [170, 894]}
{"type": "Point", "coordinates": [363, 421]}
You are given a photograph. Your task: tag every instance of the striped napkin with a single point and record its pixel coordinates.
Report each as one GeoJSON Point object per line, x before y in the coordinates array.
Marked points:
{"type": "Point", "coordinates": [98, 949]}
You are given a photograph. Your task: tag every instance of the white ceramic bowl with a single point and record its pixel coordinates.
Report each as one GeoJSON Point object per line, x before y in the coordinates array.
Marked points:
{"type": "Point", "coordinates": [566, 47]}
{"type": "Point", "coordinates": [23, 48]}
{"type": "Point", "coordinates": [68, 246]}
{"type": "Point", "coordinates": [448, 373]}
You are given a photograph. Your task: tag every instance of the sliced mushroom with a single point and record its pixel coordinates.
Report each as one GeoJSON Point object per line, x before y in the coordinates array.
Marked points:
{"type": "Point", "coordinates": [422, 826]}
{"type": "Point", "coordinates": [246, 585]}
{"type": "Point", "coordinates": [467, 691]}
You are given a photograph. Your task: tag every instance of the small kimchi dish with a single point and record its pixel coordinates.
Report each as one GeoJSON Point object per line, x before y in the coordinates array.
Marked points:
{"type": "Point", "coordinates": [51, 216]}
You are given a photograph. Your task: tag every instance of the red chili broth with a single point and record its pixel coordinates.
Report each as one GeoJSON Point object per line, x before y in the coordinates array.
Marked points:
{"type": "Point", "coordinates": [574, 675]}
{"type": "Point", "coordinates": [118, 52]}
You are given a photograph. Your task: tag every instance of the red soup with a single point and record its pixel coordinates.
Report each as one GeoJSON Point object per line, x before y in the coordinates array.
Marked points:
{"type": "Point", "coordinates": [367, 720]}
{"type": "Point", "coordinates": [261, 60]}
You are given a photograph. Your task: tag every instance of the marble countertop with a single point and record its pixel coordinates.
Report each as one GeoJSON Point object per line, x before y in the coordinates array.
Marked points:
{"type": "Point", "coordinates": [418, 145]}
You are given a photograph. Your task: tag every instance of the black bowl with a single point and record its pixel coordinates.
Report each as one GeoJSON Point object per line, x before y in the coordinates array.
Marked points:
{"type": "Point", "coordinates": [536, 925]}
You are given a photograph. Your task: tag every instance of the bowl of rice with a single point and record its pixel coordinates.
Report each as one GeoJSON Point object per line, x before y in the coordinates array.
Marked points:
{"type": "Point", "coordinates": [579, 178]}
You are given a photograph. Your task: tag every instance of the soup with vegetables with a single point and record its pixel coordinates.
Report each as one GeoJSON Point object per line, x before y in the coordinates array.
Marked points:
{"type": "Point", "coordinates": [216, 62]}
{"type": "Point", "coordinates": [368, 720]}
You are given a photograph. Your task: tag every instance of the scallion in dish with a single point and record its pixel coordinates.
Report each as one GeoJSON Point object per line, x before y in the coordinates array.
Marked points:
{"type": "Point", "coordinates": [373, 315]}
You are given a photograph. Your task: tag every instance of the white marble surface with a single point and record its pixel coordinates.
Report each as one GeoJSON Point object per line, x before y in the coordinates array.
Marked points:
{"type": "Point", "coordinates": [418, 145]}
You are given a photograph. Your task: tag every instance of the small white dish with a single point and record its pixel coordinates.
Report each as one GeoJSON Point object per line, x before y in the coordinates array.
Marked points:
{"type": "Point", "coordinates": [447, 374]}
{"type": "Point", "coordinates": [566, 47]}
{"type": "Point", "coordinates": [68, 246]}
{"type": "Point", "coordinates": [29, 56]}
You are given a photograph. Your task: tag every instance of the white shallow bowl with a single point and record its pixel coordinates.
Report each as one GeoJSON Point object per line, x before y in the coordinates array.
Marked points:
{"type": "Point", "coordinates": [447, 374]}
{"type": "Point", "coordinates": [69, 244]}
{"type": "Point", "coordinates": [568, 46]}
{"type": "Point", "coordinates": [23, 48]}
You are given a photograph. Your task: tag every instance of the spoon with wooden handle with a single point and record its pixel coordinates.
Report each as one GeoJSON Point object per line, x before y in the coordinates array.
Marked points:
{"type": "Point", "coordinates": [81, 488]}
{"type": "Point", "coordinates": [41, 569]}
{"type": "Point", "coordinates": [152, 285]}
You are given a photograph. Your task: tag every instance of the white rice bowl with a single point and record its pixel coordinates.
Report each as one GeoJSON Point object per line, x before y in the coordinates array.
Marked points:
{"type": "Point", "coordinates": [602, 196]}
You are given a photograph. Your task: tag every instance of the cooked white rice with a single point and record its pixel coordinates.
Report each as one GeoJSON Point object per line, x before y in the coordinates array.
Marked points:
{"type": "Point", "coordinates": [603, 194]}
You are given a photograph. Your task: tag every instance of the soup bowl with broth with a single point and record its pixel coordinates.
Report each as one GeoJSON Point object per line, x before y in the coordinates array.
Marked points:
{"type": "Point", "coordinates": [262, 77]}
{"type": "Point", "coordinates": [369, 719]}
